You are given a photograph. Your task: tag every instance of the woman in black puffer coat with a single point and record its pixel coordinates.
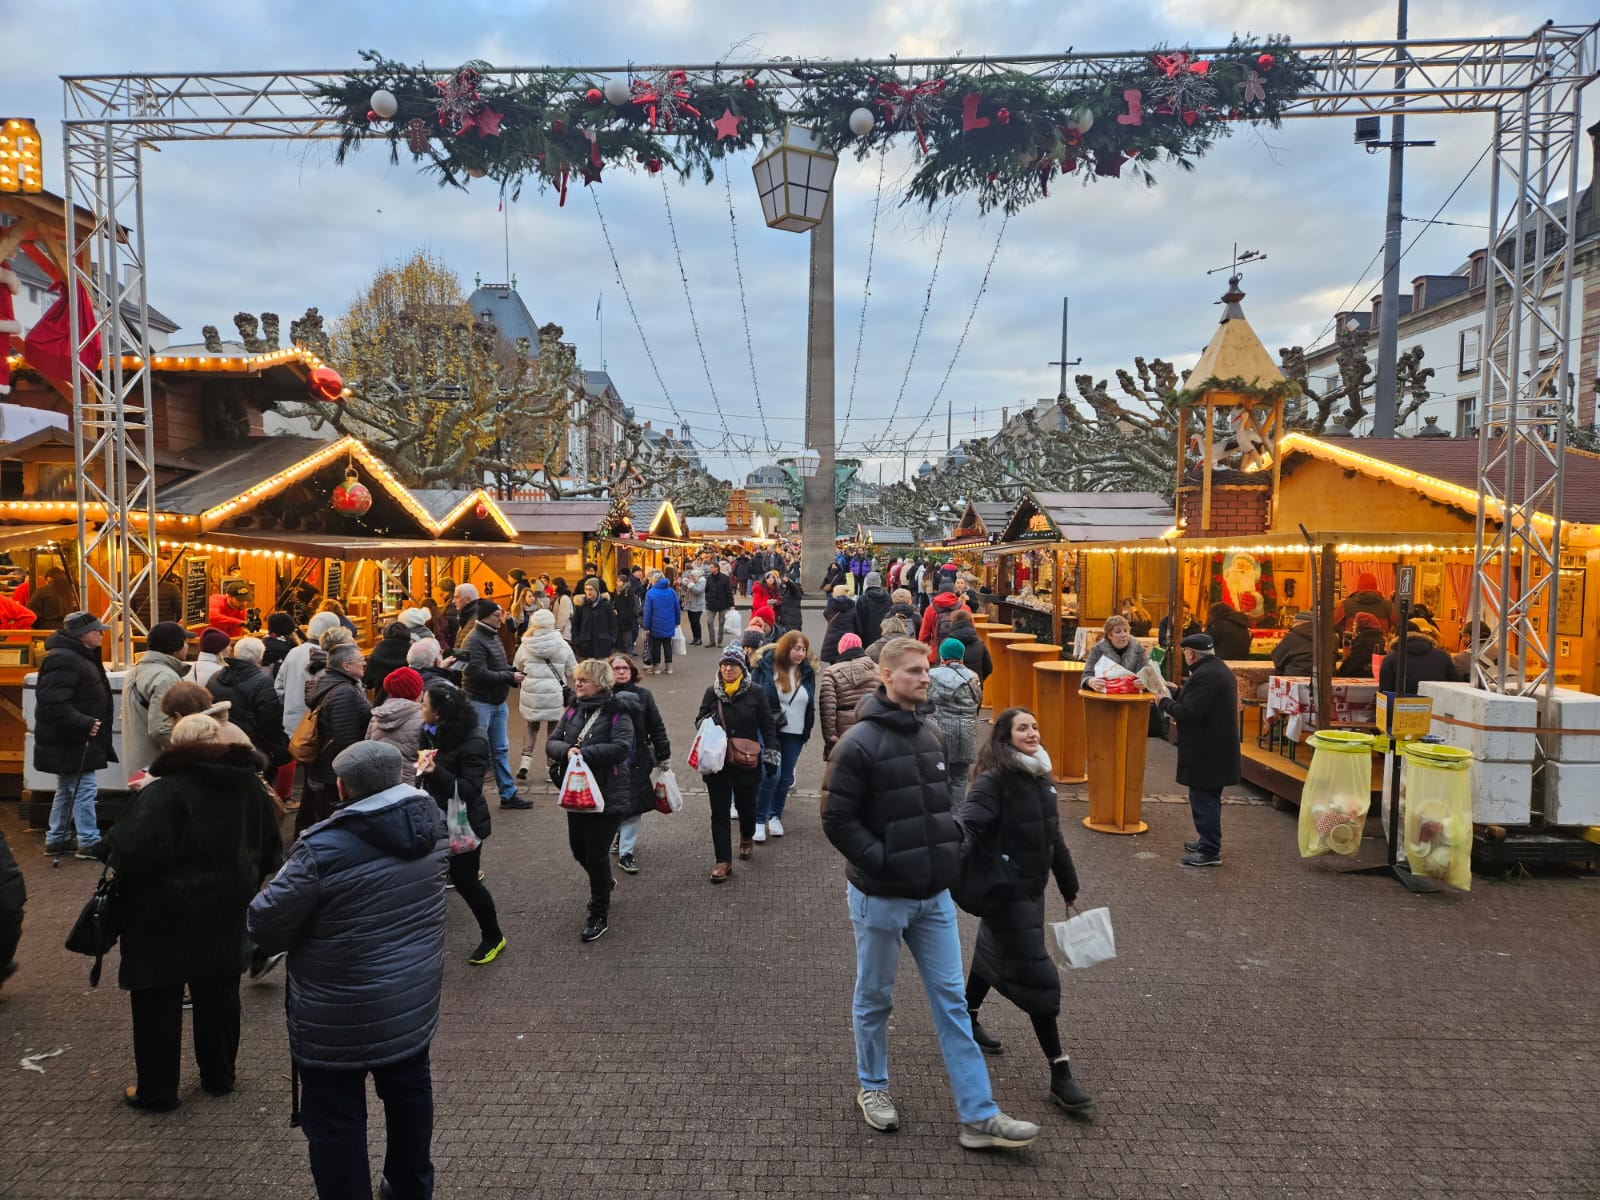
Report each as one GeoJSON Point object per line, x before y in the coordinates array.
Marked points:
{"type": "Point", "coordinates": [190, 853]}
{"type": "Point", "coordinates": [842, 619]}
{"type": "Point", "coordinates": [453, 753]}
{"type": "Point", "coordinates": [1011, 845]}
{"type": "Point", "coordinates": [651, 749]}
{"type": "Point", "coordinates": [598, 727]}
{"type": "Point", "coordinates": [743, 712]}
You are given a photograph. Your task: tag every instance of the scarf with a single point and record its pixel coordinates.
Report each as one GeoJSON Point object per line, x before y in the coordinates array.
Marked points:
{"type": "Point", "coordinates": [732, 689]}
{"type": "Point", "coordinates": [1036, 765]}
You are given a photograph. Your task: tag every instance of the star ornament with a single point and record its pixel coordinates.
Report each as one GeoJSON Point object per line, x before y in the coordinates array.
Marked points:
{"type": "Point", "coordinates": [488, 122]}
{"type": "Point", "coordinates": [727, 125]}
{"type": "Point", "coordinates": [591, 172]}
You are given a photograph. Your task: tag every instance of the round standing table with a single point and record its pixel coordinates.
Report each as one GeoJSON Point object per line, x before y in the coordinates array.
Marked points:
{"type": "Point", "coordinates": [1060, 713]}
{"type": "Point", "coordinates": [997, 690]}
{"type": "Point", "coordinates": [1116, 728]}
{"type": "Point", "coordinates": [1024, 655]}
{"type": "Point", "coordinates": [986, 631]}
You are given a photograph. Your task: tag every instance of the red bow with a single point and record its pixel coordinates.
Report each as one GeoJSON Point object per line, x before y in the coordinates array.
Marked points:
{"type": "Point", "coordinates": [904, 103]}
{"type": "Point", "coordinates": [1173, 64]}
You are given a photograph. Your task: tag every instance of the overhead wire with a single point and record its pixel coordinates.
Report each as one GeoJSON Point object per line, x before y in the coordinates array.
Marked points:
{"type": "Point", "coordinates": [866, 292]}
{"type": "Point", "coordinates": [744, 310]}
{"type": "Point", "coordinates": [927, 303]}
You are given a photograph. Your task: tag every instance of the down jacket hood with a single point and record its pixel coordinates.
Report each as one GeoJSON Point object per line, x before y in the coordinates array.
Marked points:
{"type": "Point", "coordinates": [402, 821]}
{"type": "Point", "coordinates": [394, 712]}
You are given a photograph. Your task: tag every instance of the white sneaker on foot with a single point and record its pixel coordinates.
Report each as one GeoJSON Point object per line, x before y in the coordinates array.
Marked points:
{"type": "Point", "coordinates": [999, 1132]}
{"type": "Point", "coordinates": [761, 832]}
{"type": "Point", "coordinates": [775, 827]}
{"type": "Point", "coordinates": [879, 1111]}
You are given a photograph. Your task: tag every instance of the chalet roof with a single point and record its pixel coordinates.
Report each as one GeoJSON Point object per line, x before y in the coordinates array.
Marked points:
{"type": "Point", "coordinates": [656, 516]}
{"type": "Point", "coordinates": [1235, 352]}
{"type": "Point", "coordinates": [556, 516]}
{"type": "Point", "coordinates": [1446, 468]}
{"type": "Point", "coordinates": [220, 473]}
{"type": "Point", "coordinates": [502, 305]}
{"type": "Point", "coordinates": [992, 513]}
{"type": "Point", "coordinates": [1090, 517]}
{"type": "Point", "coordinates": [887, 535]}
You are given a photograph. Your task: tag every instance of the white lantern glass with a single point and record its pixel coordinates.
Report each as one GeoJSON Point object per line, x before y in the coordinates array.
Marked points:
{"type": "Point", "coordinates": [794, 176]}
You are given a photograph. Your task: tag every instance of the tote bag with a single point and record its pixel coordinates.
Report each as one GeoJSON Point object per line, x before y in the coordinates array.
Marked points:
{"type": "Point", "coordinates": [1083, 939]}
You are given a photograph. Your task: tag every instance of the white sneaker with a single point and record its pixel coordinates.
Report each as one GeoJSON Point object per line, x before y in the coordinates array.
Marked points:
{"type": "Point", "coordinates": [878, 1109]}
{"type": "Point", "coordinates": [775, 827]}
{"type": "Point", "coordinates": [761, 832]}
{"type": "Point", "coordinates": [999, 1132]}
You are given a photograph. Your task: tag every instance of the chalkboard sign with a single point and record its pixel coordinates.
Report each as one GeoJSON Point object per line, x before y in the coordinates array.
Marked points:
{"type": "Point", "coordinates": [335, 580]}
{"type": "Point", "coordinates": [194, 589]}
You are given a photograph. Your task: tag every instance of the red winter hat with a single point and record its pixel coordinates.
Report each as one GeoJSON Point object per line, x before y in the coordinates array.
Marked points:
{"type": "Point", "coordinates": [403, 683]}
{"type": "Point", "coordinates": [849, 642]}
{"type": "Point", "coordinates": [1365, 620]}
{"type": "Point", "coordinates": [766, 614]}
{"type": "Point", "coordinates": [1366, 582]}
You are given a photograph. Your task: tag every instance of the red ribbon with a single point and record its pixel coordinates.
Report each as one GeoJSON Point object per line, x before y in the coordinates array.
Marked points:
{"type": "Point", "coordinates": [1173, 64]}
{"type": "Point", "coordinates": [905, 101]}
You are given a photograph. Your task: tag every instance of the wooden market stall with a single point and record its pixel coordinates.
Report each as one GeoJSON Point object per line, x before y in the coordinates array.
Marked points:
{"type": "Point", "coordinates": [654, 536]}
{"type": "Point", "coordinates": [980, 527]}
{"type": "Point", "coordinates": [572, 528]}
{"type": "Point", "coordinates": [1066, 559]}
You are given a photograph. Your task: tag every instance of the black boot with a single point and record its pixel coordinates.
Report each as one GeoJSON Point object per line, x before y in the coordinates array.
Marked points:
{"type": "Point", "coordinates": [987, 1042]}
{"type": "Point", "coordinates": [1064, 1090]}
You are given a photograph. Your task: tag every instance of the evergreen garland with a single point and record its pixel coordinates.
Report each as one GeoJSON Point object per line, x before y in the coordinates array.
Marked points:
{"type": "Point", "coordinates": [1003, 135]}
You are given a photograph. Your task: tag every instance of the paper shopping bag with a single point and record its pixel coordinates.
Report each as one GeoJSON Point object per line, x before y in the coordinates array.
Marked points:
{"type": "Point", "coordinates": [1083, 940]}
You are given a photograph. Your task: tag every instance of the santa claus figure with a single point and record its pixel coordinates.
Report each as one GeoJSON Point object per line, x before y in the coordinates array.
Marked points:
{"type": "Point", "coordinates": [10, 288]}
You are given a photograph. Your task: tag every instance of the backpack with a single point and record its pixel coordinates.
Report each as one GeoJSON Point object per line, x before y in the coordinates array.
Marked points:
{"type": "Point", "coordinates": [305, 743]}
{"type": "Point", "coordinates": [942, 626]}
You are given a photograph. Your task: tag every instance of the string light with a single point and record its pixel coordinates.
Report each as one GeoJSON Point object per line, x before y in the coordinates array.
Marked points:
{"type": "Point", "coordinates": [744, 309]}
{"type": "Point", "coordinates": [927, 303]}
{"type": "Point", "coordinates": [866, 293]}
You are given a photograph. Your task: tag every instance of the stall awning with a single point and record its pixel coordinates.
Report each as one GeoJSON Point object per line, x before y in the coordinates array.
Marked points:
{"type": "Point", "coordinates": [30, 537]}
{"type": "Point", "coordinates": [1088, 517]}
{"type": "Point", "coordinates": [330, 545]}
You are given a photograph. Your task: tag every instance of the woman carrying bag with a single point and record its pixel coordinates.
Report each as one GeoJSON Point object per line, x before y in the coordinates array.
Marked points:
{"type": "Point", "coordinates": [190, 854]}
{"type": "Point", "coordinates": [785, 676]}
{"type": "Point", "coordinates": [546, 662]}
{"type": "Point", "coordinates": [745, 716]}
{"type": "Point", "coordinates": [452, 759]}
{"type": "Point", "coordinates": [1011, 844]}
{"type": "Point", "coordinates": [598, 729]}
{"type": "Point", "coordinates": [651, 749]}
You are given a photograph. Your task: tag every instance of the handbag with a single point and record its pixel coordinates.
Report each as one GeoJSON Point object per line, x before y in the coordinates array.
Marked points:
{"type": "Point", "coordinates": [986, 880]}
{"type": "Point", "coordinates": [1083, 939]}
{"type": "Point", "coordinates": [743, 753]}
{"type": "Point", "coordinates": [98, 926]}
{"type": "Point", "coordinates": [568, 697]}
{"type": "Point", "coordinates": [558, 767]}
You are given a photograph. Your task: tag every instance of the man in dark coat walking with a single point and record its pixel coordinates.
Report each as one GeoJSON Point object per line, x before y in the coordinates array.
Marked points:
{"type": "Point", "coordinates": [342, 717]}
{"type": "Point", "coordinates": [1206, 709]}
{"type": "Point", "coordinates": [72, 730]}
{"type": "Point", "coordinates": [886, 808]}
{"type": "Point", "coordinates": [719, 599]}
{"type": "Point", "coordinates": [359, 907]}
{"type": "Point", "coordinates": [489, 679]}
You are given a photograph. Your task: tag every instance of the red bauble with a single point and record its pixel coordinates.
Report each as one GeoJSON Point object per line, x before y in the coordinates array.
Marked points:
{"type": "Point", "coordinates": [351, 498]}
{"type": "Point", "coordinates": [325, 383]}
{"type": "Point", "coordinates": [993, 175]}
{"type": "Point", "coordinates": [1003, 116]}
{"type": "Point", "coordinates": [481, 511]}
{"type": "Point", "coordinates": [372, 117]}
{"type": "Point", "coordinates": [593, 96]}
{"type": "Point", "coordinates": [653, 166]}
{"type": "Point", "coordinates": [558, 126]}
{"type": "Point", "coordinates": [749, 85]}
{"type": "Point", "coordinates": [1265, 62]}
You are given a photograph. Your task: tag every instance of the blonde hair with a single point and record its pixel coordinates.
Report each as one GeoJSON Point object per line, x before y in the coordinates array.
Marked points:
{"type": "Point", "coordinates": [196, 729]}
{"type": "Point", "coordinates": [597, 671]}
{"type": "Point", "coordinates": [331, 606]}
{"type": "Point", "coordinates": [898, 649]}
{"type": "Point", "coordinates": [841, 589]}
{"type": "Point", "coordinates": [1113, 623]}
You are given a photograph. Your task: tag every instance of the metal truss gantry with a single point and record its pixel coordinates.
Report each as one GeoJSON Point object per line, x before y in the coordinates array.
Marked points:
{"type": "Point", "coordinates": [1531, 84]}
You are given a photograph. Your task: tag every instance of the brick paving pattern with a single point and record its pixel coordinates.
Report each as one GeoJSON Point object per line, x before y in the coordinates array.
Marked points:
{"type": "Point", "coordinates": [1269, 1029]}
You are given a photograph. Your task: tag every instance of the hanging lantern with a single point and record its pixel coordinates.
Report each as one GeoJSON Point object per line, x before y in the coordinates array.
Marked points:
{"type": "Point", "coordinates": [351, 498]}
{"type": "Point", "coordinates": [325, 383]}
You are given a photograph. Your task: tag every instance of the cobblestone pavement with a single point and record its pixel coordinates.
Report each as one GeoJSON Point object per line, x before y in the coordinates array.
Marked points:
{"type": "Point", "coordinates": [1269, 1029]}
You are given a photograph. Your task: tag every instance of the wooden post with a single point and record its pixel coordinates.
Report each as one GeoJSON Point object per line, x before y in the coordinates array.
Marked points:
{"type": "Point", "coordinates": [1205, 474]}
{"type": "Point", "coordinates": [1324, 635]}
{"type": "Point", "coordinates": [1055, 598]}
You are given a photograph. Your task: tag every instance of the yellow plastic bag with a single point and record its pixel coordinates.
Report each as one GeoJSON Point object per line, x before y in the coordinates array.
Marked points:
{"type": "Point", "coordinates": [1337, 791]}
{"type": "Point", "coordinates": [1438, 817]}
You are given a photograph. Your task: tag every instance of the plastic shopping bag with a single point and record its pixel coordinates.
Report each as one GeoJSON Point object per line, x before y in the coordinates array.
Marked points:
{"type": "Point", "coordinates": [1083, 939]}
{"type": "Point", "coordinates": [665, 785]}
{"type": "Point", "coordinates": [710, 749]}
{"type": "Point", "coordinates": [1438, 815]}
{"type": "Point", "coordinates": [579, 791]}
{"type": "Point", "coordinates": [462, 839]}
{"type": "Point", "coordinates": [680, 644]}
{"type": "Point", "coordinates": [733, 626]}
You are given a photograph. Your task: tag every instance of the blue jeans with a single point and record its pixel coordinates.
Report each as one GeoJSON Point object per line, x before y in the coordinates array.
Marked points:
{"type": "Point", "coordinates": [492, 720]}
{"type": "Point", "coordinates": [929, 929]}
{"type": "Point", "coordinates": [74, 805]}
{"type": "Point", "coordinates": [775, 785]}
{"type": "Point", "coordinates": [628, 834]}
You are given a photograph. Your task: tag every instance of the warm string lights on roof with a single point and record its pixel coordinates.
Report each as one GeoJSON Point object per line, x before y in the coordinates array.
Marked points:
{"type": "Point", "coordinates": [225, 364]}
{"type": "Point", "coordinates": [214, 548]}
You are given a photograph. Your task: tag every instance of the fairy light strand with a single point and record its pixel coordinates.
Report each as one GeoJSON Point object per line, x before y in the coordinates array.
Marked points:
{"type": "Point", "coordinates": [866, 294]}
{"type": "Point", "coordinates": [927, 303]}
{"type": "Point", "coordinates": [744, 310]}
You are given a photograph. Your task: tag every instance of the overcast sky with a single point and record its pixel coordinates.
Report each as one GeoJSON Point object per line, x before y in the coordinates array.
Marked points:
{"type": "Point", "coordinates": [277, 226]}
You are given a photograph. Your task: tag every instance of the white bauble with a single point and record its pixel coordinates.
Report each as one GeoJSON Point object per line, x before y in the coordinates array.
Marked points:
{"type": "Point", "coordinates": [1081, 121]}
{"type": "Point", "coordinates": [617, 91]}
{"type": "Point", "coordinates": [862, 121]}
{"type": "Point", "coordinates": [384, 103]}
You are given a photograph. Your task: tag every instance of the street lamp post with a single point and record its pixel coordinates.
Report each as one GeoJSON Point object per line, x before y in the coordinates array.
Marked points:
{"type": "Point", "coordinates": [794, 177]}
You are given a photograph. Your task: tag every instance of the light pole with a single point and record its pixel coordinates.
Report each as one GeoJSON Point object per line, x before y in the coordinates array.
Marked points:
{"type": "Point", "coordinates": [794, 177]}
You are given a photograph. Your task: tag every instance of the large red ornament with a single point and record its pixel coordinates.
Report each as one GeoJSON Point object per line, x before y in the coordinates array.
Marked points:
{"type": "Point", "coordinates": [325, 383]}
{"type": "Point", "coordinates": [481, 511]}
{"type": "Point", "coordinates": [1265, 62]}
{"type": "Point", "coordinates": [593, 96]}
{"type": "Point", "coordinates": [1003, 116]}
{"type": "Point", "coordinates": [749, 85]}
{"type": "Point", "coordinates": [351, 498]}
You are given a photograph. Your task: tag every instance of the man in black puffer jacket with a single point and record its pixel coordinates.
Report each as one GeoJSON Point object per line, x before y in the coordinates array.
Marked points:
{"type": "Point", "coordinates": [1206, 709]}
{"type": "Point", "coordinates": [359, 907]}
{"type": "Point", "coordinates": [489, 679]}
{"type": "Point", "coordinates": [886, 808]}
{"type": "Point", "coordinates": [342, 717]}
{"type": "Point", "coordinates": [719, 599]}
{"type": "Point", "coordinates": [253, 703]}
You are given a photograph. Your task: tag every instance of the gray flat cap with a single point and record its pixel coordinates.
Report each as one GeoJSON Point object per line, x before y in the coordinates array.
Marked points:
{"type": "Point", "coordinates": [367, 768]}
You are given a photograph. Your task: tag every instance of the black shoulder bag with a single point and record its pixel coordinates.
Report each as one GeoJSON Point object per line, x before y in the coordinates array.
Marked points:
{"type": "Point", "coordinates": [98, 926]}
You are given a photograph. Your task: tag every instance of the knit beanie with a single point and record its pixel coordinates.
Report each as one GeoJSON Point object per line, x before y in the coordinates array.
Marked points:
{"type": "Point", "coordinates": [213, 641]}
{"type": "Point", "coordinates": [280, 624]}
{"type": "Point", "coordinates": [167, 637]}
{"type": "Point", "coordinates": [849, 642]}
{"type": "Point", "coordinates": [414, 617]}
{"type": "Point", "coordinates": [952, 649]}
{"type": "Point", "coordinates": [404, 683]}
{"type": "Point", "coordinates": [542, 618]}
{"type": "Point", "coordinates": [1365, 620]}
{"type": "Point", "coordinates": [733, 654]}
{"type": "Point", "coordinates": [752, 640]}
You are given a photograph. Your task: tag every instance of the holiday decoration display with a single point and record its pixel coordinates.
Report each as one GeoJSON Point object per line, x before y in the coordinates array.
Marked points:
{"type": "Point", "coordinates": [325, 384]}
{"type": "Point", "coordinates": [10, 287]}
{"type": "Point", "coordinates": [352, 497]}
{"type": "Point", "coordinates": [481, 510]}
{"type": "Point", "coordinates": [992, 133]}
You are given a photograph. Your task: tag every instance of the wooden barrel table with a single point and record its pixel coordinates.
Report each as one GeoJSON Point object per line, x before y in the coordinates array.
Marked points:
{"type": "Point", "coordinates": [1024, 655]}
{"type": "Point", "coordinates": [997, 691]}
{"type": "Point", "coordinates": [1116, 728]}
{"type": "Point", "coordinates": [1060, 712]}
